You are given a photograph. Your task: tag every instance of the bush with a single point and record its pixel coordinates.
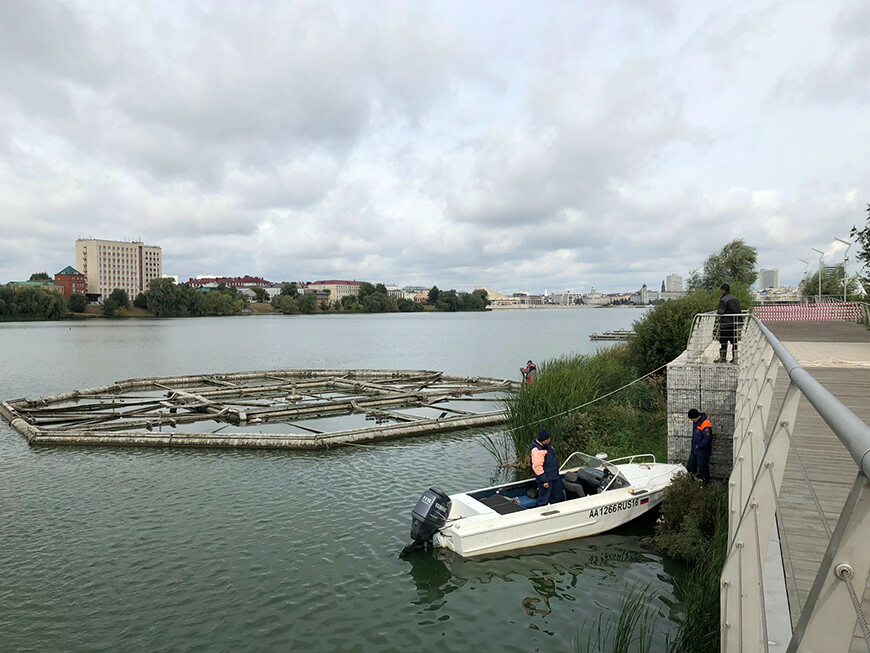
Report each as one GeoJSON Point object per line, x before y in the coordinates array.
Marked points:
{"type": "Point", "coordinates": [78, 303]}
{"type": "Point", "coordinates": [691, 515]}
{"type": "Point", "coordinates": [694, 527]}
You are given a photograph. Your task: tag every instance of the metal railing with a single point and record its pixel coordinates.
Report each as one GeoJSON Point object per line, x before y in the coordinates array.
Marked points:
{"type": "Point", "coordinates": [763, 440]}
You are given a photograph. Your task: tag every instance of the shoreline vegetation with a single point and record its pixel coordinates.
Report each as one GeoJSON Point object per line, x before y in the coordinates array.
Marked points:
{"type": "Point", "coordinates": [615, 402]}
{"type": "Point", "coordinates": [164, 298]}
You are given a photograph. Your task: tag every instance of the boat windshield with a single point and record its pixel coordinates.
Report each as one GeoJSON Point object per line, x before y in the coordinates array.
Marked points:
{"type": "Point", "coordinates": [578, 461]}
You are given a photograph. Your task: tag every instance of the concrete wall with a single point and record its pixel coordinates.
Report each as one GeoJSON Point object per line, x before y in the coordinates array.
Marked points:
{"type": "Point", "coordinates": [711, 388]}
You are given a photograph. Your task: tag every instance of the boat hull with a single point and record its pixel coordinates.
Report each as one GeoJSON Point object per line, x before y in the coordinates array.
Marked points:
{"type": "Point", "coordinates": [475, 529]}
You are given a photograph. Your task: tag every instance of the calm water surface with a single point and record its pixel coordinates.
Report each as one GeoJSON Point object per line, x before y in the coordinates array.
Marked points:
{"type": "Point", "coordinates": [194, 550]}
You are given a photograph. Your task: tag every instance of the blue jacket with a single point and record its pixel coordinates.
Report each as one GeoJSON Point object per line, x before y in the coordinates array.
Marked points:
{"type": "Point", "coordinates": [544, 462]}
{"type": "Point", "coordinates": [702, 434]}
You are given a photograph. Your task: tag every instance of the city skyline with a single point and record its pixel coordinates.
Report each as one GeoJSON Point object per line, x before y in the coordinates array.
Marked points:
{"type": "Point", "coordinates": [542, 147]}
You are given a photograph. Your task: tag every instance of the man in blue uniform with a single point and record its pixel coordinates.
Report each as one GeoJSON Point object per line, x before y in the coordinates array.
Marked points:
{"type": "Point", "coordinates": [546, 468]}
{"type": "Point", "coordinates": [702, 445]}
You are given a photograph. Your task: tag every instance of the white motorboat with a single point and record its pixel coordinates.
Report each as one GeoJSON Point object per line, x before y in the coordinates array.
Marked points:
{"type": "Point", "coordinates": [599, 496]}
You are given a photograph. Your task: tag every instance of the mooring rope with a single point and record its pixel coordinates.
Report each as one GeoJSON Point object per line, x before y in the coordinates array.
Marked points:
{"type": "Point", "coordinates": [588, 403]}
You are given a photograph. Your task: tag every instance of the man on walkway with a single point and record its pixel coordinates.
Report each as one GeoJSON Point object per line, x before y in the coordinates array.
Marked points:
{"type": "Point", "coordinates": [728, 326]}
{"type": "Point", "coordinates": [546, 468]}
{"type": "Point", "coordinates": [702, 445]}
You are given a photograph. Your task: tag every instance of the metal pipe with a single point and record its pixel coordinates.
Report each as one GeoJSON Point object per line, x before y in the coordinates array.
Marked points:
{"type": "Point", "coordinates": [821, 256]}
{"type": "Point", "coordinates": [845, 264]}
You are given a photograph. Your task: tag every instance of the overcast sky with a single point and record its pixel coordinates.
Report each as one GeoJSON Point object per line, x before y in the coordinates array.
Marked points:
{"type": "Point", "coordinates": [521, 146]}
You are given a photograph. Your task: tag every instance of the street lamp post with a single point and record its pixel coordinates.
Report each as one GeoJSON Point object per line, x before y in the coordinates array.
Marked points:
{"type": "Point", "coordinates": [821, 256]}
{"type": "Point", "coordinates": [845, 265]}
{"type": "Point", "coordinates": [806, 267]}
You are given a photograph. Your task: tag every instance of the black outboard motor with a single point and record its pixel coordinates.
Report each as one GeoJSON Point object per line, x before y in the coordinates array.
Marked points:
{"type": "Point", "coordinates": [428, 516]}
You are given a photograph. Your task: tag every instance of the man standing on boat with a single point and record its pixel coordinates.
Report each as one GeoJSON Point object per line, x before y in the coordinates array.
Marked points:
{"type": "Point", "coordinates": [530, 371]}
{"type": "Point", "coordinates": [702, 445]}
{"type": "Point", "coordinates": [546, 468]}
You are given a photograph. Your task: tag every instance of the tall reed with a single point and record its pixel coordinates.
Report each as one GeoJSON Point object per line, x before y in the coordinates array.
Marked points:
{"type": "Point", "coordinates": [559, 401]}
{"type": "Point", "coordinates": [632, 629]}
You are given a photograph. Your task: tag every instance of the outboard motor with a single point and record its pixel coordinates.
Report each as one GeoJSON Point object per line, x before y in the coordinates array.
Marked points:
{"type": "Point", "coordinates": [428, 516]}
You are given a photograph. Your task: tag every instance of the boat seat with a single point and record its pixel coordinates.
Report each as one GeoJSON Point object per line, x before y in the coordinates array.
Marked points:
{"type": "Point", "coordinates": [573, 486]}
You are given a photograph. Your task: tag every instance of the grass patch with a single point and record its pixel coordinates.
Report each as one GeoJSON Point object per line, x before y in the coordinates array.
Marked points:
{"type": "Point", "coordinates": [694, 527]}
{"type": "Point", "coordinates": [629, 421]}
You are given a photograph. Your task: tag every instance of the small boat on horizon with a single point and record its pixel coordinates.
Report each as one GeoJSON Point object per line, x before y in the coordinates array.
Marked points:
{"type": "Point", "coordinates": [600, 495]}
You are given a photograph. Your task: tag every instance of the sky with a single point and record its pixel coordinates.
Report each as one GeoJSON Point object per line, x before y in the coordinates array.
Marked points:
{"type": "Point", "coordinates": [515, 145]}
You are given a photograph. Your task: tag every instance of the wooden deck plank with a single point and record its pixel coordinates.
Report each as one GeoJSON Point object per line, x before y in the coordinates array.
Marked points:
{"type": "Point", "coordinates": [828, 465]}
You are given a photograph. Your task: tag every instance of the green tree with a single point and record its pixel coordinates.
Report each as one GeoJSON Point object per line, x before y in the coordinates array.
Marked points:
{"type": "Point", "coordinates": [285, 304]}
{"type": "Point", "coordinates": [224, 303]}
{"type": "Point", "coordinates": [120, 297]}
{"type": "Point", "coordinates": [448, 300]}
{"type": "Point", "coordinates": [40, 276]}
{"type": "Point", "coordinates": [290, 290]}
{"type": "Point", "coordinates": [408, 306]}
{"type": "Point", "coordinates": [308, 303]}
{"type": "Point", "coordinates": [260, 294]}
{"type": "Point", "coordinates": [434, 293]}
{"type": "Point", "coordinates": [380, 302]}
{"type": "Point", "coordinates": [365, 289]}
{"type": "Point", "coordinates": [862, 239]}
{"type": "Point", "coordinates": [197, 303]}
{"type": "Point", "coordinates": [165, 298]}
{"type": "Point", "coordinates": [350, 303]}
{"type": "Point", "coordinates": [734, 264]}
{"type": "Point", "coordinates": [141, 301]}
{"type": "Point", "coordinates": [78, 303]}
{"type": "Point", "coordinates": [832, 283]}
{"type": "Point", "coordinates": [473, 301]}
{"type": "Point", "coordinates": [110, 307]}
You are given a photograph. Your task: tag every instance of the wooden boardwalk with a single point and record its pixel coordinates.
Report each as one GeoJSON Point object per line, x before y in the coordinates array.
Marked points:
{"type": "Point", "coordinates": [838, 356]}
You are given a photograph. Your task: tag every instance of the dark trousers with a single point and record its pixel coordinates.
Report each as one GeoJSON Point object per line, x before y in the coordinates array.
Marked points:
{"type": "Point", "coordinates": [724, 339]}
{"type": "Point", "coordinates": [699, 464]}
{"type": "Point", "coordinates": [553, 494]}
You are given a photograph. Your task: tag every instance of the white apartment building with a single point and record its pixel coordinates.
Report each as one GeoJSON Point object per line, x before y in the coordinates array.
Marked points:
{"type": "Point", "coordinates": [768, 278]}
{"type": "Point", "coordinates": [111, 264]}
{"type": "Point", "coordinates": [674, 283]}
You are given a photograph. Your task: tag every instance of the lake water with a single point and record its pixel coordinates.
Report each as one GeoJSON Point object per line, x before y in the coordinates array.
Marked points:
{"type": "Point", "coordinates": [219, 550]}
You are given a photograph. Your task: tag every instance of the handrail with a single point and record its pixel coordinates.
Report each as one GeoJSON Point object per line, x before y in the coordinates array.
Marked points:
{"type": "Point", "coordinates": [849, 429]}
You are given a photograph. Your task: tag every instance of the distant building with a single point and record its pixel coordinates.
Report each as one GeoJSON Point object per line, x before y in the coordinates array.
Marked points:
{"type": "Point", "coordinates": [768, 278]}
{"type": "Point", "coordinates": [595, 298]}
{"type": "Point", "coordinates": [111, 264]}
{"type": "Point", "coordinates": [674, 283]}
{"type": "Point", "coordinates": [337, 288]}
{"type": "Point", "coordinates": [72, 281]}
{"type": "Point", "coordinates": [246, 281]}
{"type": "Point", "coordinates": [566, 298]}
{"type": "Point", "coordinates": [45, 285]}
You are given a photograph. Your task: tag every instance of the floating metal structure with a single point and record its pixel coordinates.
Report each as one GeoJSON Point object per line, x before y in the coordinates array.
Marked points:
{"type": "Point", "coordinates": [279, 409]}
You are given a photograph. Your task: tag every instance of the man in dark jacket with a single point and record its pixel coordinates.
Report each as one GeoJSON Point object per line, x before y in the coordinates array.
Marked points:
{"type": "Point", "coordinates": [728, 326]}
{"type": "Point", "coordinates": [546, 468]}
{"type": "Point", "coordinates": [702, 445]}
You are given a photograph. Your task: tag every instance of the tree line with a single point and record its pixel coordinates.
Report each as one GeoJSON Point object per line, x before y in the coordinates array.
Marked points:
{"type": "Point", "coordinates": [374, 298]}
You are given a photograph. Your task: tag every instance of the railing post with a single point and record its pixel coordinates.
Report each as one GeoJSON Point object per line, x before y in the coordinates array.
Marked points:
{"type": "Point", "coordinates": [829, 616]}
